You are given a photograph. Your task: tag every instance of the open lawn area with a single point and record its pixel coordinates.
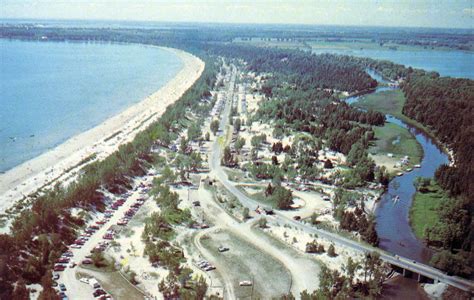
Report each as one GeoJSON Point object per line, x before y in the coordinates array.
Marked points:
{"type": "Point", "coordinates": [389, 102]}
{"type": "Point", "coordinates": [424, 210]}
{"type": "Point", "coordinates": [243, 261]}
{"type": "Point", "coordinates": [257, 193]}
{"type": "Point", "coordinates": [397, 140]}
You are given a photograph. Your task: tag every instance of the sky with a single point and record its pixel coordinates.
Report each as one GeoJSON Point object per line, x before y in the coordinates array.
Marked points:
{"type": "Point", "coordinates": [411, 13]}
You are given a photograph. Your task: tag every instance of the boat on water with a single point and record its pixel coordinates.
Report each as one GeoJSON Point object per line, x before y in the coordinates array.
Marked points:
{"type": "Point", "coordinates": [399, 174]}
{"type": "Point", "coordinates": [417, 166]}
{"type": "Point", "coordinates": [409, 169]}
{"type": "Point", "coordinates": [396, 198]}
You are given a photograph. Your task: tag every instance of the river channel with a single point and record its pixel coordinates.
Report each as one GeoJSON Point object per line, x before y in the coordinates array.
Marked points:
{"type": "Point", "coordinates": [393, 225]}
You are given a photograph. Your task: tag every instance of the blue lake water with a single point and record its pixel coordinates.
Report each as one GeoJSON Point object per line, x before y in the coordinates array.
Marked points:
{"type": "Point", "coordinates": [445, 62]}
{"type": "Point", "coordinates": [52, 91]}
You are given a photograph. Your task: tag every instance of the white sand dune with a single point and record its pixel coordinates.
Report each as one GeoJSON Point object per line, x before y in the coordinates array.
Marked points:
{"type": "Point", "coordinates": [58, 164]}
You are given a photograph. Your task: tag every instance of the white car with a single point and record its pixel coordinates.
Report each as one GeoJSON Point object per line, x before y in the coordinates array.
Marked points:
{"type": "Point", "coordinates": [84, 280]}
{"type": "Point", "coordinates": [245, 283]}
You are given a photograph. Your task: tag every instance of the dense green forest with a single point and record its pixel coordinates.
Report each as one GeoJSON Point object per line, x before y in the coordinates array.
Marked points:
{"type": "Point", "coordinates": [446, 106]}
{"type": "Point", "coordinates": [302, 69]}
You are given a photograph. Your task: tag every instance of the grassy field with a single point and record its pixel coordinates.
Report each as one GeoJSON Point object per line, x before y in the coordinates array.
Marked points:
{"type": "Point", "coordinates": [245, 262]}
{"type": "Point", "coordinates": [423, 212]}
{"type": "Point", "coordinates": [397, 140]}
{"type": "Point", "coordinates": [389, 102]}
{"type": "Point", "coordinates": [257, 193]}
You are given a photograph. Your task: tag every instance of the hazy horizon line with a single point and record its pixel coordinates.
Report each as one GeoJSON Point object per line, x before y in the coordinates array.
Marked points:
{"type": "Point", "coordinates": [230, 23]}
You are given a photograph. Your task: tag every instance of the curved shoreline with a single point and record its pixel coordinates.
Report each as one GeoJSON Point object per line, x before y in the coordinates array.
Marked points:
{"type": "Point", "coordinates": [63, 162]}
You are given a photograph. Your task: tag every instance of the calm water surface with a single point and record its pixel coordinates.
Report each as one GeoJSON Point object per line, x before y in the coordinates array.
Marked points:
{"type": "Point", "coordinates": [446, 62]}
{"type": "Point", "coordinates": [52, 91]}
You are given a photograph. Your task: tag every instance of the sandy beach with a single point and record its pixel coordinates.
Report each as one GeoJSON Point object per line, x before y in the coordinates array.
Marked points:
{"type": "Point", "coordinates": [62, 162]}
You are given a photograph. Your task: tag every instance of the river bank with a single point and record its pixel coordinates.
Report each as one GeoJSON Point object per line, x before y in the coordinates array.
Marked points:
{"type": "Point", "coordinates": [62, 163]}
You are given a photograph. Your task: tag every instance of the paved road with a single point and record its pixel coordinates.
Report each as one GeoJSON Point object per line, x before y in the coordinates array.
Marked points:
{"type": "Point", "coordinates": [220, 175]}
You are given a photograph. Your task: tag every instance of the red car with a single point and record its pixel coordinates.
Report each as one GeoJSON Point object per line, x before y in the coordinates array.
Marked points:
{"type": "Point", "coordinates": [59, 268]}
{"type": "Point", "coordinates": [108, 236]}
{"type": "Point", "coordinates": [63, 260]}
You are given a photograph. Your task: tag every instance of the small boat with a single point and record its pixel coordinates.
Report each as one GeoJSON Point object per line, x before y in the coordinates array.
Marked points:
{"type": "Point", "coordinates": [417, 166]}
{"type": "Point", "coordinates": [396, 198]}
{"type": "Point", "coordinates": [409, 169]}
{"type": "Point", "coordinates": [399, 174]}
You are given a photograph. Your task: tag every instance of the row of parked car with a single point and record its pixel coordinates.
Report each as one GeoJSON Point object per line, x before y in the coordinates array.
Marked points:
{"type": "Point", "coordinates": [99, 292]}
{"type": "Point", "coordinates": [66, 258]}
{"type": "Point", "coordinates": [205, 265]}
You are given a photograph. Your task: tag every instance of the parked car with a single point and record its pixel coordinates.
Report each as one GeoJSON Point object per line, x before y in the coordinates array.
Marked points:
{"type": "Point", "coordinates": [84, 280]}
{"type": "Point", "coordinates": [98, 292]}
{"type": "Point", "coordinates": [59, 268]}
{"type": "Point", "coordinates": [223, 249]}
{"type": "Point", "coordinates": [63, 260]}
{"type": "Point", "coordinates": [62, 287]}
{"type": "Point", "coordinates": [87, 261]}
{"type": "Point", "coordinates": [68, 254]}
{"type": "Point", "coordinates": [245, 283]}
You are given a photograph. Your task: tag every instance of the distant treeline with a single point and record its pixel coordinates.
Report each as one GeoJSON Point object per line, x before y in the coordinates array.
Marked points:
{"type": "Point", "coordinates": [425, 37]}
{"type": "Point", "coordinates": [304, 70]}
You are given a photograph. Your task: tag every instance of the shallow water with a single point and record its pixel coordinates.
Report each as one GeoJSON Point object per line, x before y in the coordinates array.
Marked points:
{"type": "Point", "coordinates": [51, 91]}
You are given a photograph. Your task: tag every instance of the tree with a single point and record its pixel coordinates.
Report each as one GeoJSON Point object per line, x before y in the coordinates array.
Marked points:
{"type": "Point", "coordinates": [328, 164]}
{"type": "Point", "coordinates": [350, 268]}
{"type": "Point", "coordinates": [183, 145]}
{"type": "Point", "coordinates": [48, 293]}
{"type": "Point", "coordinates": [332, 251]}
{"type": "Point", "coordinates": [227, 158]}
{"type": "Point", "coordinates": [370, 234]}
{"type": "Point", "coordinates": [239, 144]}
{"type": "Point", "coordinates": [254, 154]}
{"type": "Point", "coordinates": [201, 288]}
{"type": "Point", "coordinates": [277, 147]}
{"type": "Point", "coordinates": [453, 264]}
{"type": "Point", "coordinates": [237, 125]}
{"type": "Point", "coordinates": [245, 213]}
{"type": "Point", "coordinates": [262, 223]}
{"type": "Point", "coordinates": [214, 126]}
{"type": "Point", "coordinates": [98, 259]}
{"type": "Point", "coordinates": [207, 136]}
{"type": "Point", "coordinates": [314, 218]}
{"type": "Point", "coordinates": [21, 292]}
{"type": "Point", "coordinates": [167, 175]}
{"type": "Point", "coordinates": [194, 132]}
{"type": "Point", "coordinates": [283, 197]}
{"type": "Point", "coordinates": [269, 190]}
{"type": "Point", "coordinates": [274, 160]}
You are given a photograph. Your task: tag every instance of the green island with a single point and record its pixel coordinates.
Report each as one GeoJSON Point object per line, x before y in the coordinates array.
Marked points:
{"type": "Point", "coordinates": [424, 213]}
